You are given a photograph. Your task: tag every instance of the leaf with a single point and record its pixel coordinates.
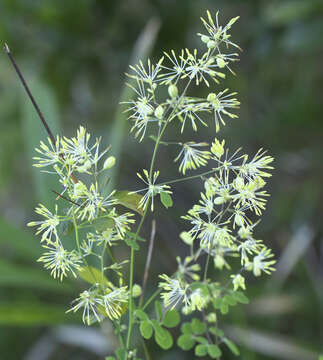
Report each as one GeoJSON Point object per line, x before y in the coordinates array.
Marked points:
{"type": "Point", "coordinates": [110, 358]}
{"type": "Point", "coordinates": [171, 318]}
{"type": "Point", "coordinates": [232, 346]}
{"type": "Point", "coordinates": [130, 201]}
{"type": "Point", "coordinates": [217, 302]}
{"type": "Point", "coordinates": [65, 228]}
{"type": "Point", "coordinates": [140, 314]}
{"type": "Point", "coordinates": [121, 354]}
{"type": "Point", "coordinates": [224, 308]}
{"type": "Point", "coordinates": [240, 297]}
{"type": "Point", "coordinates": [14, 275]}
{"type": "Point", "coordinates": [186, 342]}
{"type": "Point", "coordinates": [201, 340]}
{"type": "Point", "coordinates": [158, 309]}
{"type": "Point", "coordinates": [34, 314]}
{"type": "Point", "coordinates": [201, 350]}
{"type": "Point", "coordinates": [216, 331]}
{"type": "Point", "coordinates": [166, 199]}
{"type": "Point", "coordinates": [92, 275]}
{"type": "Point", "coordinates": [163, 338]}
{"type": "Point", "coordinates": [132, 243]}
{"type": "Point", "coordinates": [198, 327]}
{"type": "Point", "coordinates": [230, 300]}
{"type": "Point", "coordinates": [186, 328]}
{"type": "Point", "coordinates": [146, 329]}
{"type": "Point", "coordinates": [214, 351]}
{"type": "Point", "coordinates": [102, 224]}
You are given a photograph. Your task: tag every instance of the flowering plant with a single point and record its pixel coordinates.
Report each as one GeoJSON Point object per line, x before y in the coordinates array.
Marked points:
{"type": "Point", "coordinates": [220, 225]}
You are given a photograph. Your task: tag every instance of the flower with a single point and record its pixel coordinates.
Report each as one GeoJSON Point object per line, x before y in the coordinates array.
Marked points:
{"type": "Point", "coordinates": [149, 74]}
{"type": "Point", "coordinates": [261, 263]}
{"type": "Point", "coordinates": [192, 157]}
{"type": "Point", "coordinates": [177, 69]}
{"type": "Point", "coordinates": [60, 261]}
{"type": "Point", "coordinates": [47, 226]}
{"type": "Point", "coordinates": [113, 302]}
{"type": "Point", "coordinates": [152, 189]}
{"type": "Point", "coordinates": [175, 291]}
{"type": "Point", "coordinates": [89, 301]}
{"type": "Point", "coordinates": [238, 281]}
{"type": "Point", "coordinates": [219, 103]}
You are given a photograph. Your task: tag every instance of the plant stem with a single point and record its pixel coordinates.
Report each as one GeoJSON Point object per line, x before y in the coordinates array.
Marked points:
{"type": "Point", "coordinates": [153, 296]}
{"type": "Point", "coordinates": [187, 178]}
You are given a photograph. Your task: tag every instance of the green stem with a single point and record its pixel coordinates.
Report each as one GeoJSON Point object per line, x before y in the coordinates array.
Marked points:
{"type": "Point", "coordinates": [153, 296]}
{"type": "Point", "coordinates": [206, 266]}
{"type": "Point", "coordinates": [187, 178]}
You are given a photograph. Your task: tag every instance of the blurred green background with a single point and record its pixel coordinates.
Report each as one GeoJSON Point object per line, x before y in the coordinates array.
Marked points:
{"type": "Point", "coordinates": [74, 55]}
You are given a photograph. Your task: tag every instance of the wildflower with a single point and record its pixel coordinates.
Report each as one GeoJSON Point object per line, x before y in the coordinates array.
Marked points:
{"type": "Point", "coordinates": [257, 166]}
{"type": "Point", "coordinates": [198, 300]}
{"type": "Point", "coordinates": [175, 291]}
{"type": "Point", "coordinates": [217, 148]}
{"type": "Point", "coordinates": [217, 33]}
{"type": "Point", "coordinates": [198, 68]}
{"type": "Point", "coordinates": [176, 69]}
{"type": "Point", "coordinates": [219, 103]}
{"type": "Point", "coordinates": [187, 269]}
{"type": "Point", "coordinates": [141, 109]}
{"type": "Point", "coordinates": [89, 301]}
{"type": "Point", "coordinates": [147, 74]}
{"type": "Point", "coordinates": [114, 301]}
{"type": "Point", "coordinates": [192, 157]}
{"type": "Point", "coordinates": [47, 226]}
{"type": "Point", "coordinates": [238, 281]}
{"type": "Point", "coordinates": [121, 222]}
{"type": "Point", "coordinates": [152, 189]}
{"type": "Point", "coordinates": [60, 261]}
{"type": "Point", "coordinates": [189, 108]}
{"type": "Point", "coordinates": [51, 153]}
{"type": "Point", "coordinates": [261, 262]}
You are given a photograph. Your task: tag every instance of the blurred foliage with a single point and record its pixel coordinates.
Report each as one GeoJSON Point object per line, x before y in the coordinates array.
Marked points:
{"type": "Point", "coordinates": [74, 56]}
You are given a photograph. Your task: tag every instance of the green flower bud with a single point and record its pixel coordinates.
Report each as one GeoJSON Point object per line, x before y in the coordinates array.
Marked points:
{"type": "Point", "coordinates": [211, 44]}
{"type": "Point", "coordinates": [211, 97]}
{"type": "Point", "coordinates": [205, 39]}
{"type": "Point", "coordinates": [136, 290]}
{"type": "Point", "coordinates": [211, 318]}
{"type": "Point", "coordinates": [172, 91]}
{"type": "Point", "coordinates": [109, 162]}
{"type": "Point", "coordinates": [159, 112]}
{"type": "Point", "coordinates": [217, 148]}
{"type": "Point", "coordinates": [220, 62]}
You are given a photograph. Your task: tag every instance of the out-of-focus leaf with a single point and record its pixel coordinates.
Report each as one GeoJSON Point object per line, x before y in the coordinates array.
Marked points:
{"type": "Point", "coordinates": [24, 245]}
{"type": "Point", "coordinates": [130, 201]}
{"type": "Point", "coordinates": [92, 275]}
{"type": "Point", "coordinates": [22, 276]}
{"type": "Point", "coordinates": [24, 314]}
{"type": "Point", "coordinates": [34, 132]}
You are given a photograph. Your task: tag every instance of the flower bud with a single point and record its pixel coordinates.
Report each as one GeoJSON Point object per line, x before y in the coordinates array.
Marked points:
{"type": "Point", "coordinates": [172, 91]}
{"type": "Point", "coordinates": [136, 290]}
{"type": "Point", "coordinates": [205, 39]}
{"type": "Point", "coordinates": [217, 148]}
{"type": "Point", "coordinates": [159, 112]}
{"type": "Point", "coordinates": [109, 162]}
{"type": "Point", "coordinates": [220, 62]}
{"type": "Point", "coordinates": [186, 237]}
{"type": "Point", "coordinates": [211, 318]}
{"type": "Point", "coordinates": [211, 44]}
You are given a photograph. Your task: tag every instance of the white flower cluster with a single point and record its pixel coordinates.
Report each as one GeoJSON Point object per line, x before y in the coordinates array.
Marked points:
{"type": "Point", "coordinates": [88, 209]}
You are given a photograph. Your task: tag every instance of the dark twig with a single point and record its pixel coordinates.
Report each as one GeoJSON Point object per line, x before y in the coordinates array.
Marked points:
{"type": "Point", "coordinates": [41, 116]}
{"type": "Point", "coordinates": [32, 99]}
{"type": "Point", "coordinates": [65, 198]}
{"type": "Point", "coordinates": [148, 260]}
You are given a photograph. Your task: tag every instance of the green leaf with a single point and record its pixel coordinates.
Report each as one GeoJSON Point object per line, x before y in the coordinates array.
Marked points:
{"type": "Point", "coordinates": [130, 201]}
{"type": "Point", "coordinates": [217, 302]}
{"type": "Point", "coordinates": [132, 243]}
{"type": "Point", "coordinates": [110, 358]}
{"type": "Point", "coordinates": [214, 351]}
{"type": "Point", "coordinates": [164, 339]}
{"type": "Point", "coordinates": [186, 328]}
{"type": "Point", "coordinates": [166, 199]}
{"type": "Point", "coordinates": [240, 297]}
{"type": "Point", "coordinates": [230, 300]}
{"type": "Point", "coordinates": [92, 275]}
{"type": "Point", "coordinates": [216, 331]}
{"type": "Point", "coordinates": [121, 354]}
{"type": "Point", "coordinates": [14, 275]}
{"type": "Point", "coordinates": [224, 308]}
{"type": "Point", "coordinates": [201, 350]}
{"type": "Point", "coordinates": [102, 224]}
{"type": "Point", "coordinates": [171, 318]}
{"type": "Point", "coordinates": [186, 342]}
{"type": "Point", "coordinates": [65, 228]}
{"type": "Point", "coordinates": [198, 327]}
{"type": "Point", "coordinates": [34, 314]}
{"type": "Point", "coordinates": [140, 314]}
{"type": "Point", "coordinates": [159, 310]}
{"type": "Point", "coordinates": [201, 340]}
{"type": "Point", "coordinates": [146, 329]}
{"type": "Point", "coordinates": [232, 346]}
